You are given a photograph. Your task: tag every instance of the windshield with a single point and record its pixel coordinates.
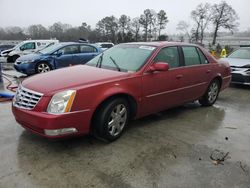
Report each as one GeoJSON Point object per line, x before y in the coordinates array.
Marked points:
{"type": "Point", "coordinates": [124, 57]}
{"type": "Point", "coordinates": [243, 53]}
{"type": "Point", "coordinates": [18, 45]}
{"type": "Point", "coordinates": [50, 49]}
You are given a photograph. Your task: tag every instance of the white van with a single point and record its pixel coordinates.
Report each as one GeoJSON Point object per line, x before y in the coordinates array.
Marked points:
{"type": "Point", "coordinates": [27, 47]}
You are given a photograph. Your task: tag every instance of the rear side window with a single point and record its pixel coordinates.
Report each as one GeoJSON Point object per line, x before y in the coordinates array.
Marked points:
{"type": "Point", "coordinates": [87, 49]}
{"type": "Point", "coordinates": [169, 55]}
{"type": "Point", "coordinates": [69, 50]}
{"type": "Point", "coordinates": [203, 59]}
{"type": "Point", "coordinates": [191, 56]}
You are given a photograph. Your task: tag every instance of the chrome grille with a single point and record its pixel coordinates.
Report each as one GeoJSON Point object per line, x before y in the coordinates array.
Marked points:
{"type": "Point", "coordinates": [26, 99]}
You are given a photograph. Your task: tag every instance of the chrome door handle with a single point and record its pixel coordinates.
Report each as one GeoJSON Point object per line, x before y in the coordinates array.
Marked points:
{"type": "Point", "coordinates": [179, 76]}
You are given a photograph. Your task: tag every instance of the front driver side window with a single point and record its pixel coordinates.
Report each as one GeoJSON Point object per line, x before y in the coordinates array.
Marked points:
{"type": "Point", "coordinates": [28, 46]}
{"type": "Point", "coordinates": [169, 55]}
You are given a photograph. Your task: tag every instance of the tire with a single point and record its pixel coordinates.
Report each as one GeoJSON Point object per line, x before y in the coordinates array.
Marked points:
{"type": "Point", "coordinates": [116, 111]}
{"type": "Point", "coordinates": [9, 59]}
{"type": "Point", "coordinates": [42, 67]}
{"type": "Point", "coordinates": [211, 94]}
{"type": "Point", "coordinates": [14, 58]}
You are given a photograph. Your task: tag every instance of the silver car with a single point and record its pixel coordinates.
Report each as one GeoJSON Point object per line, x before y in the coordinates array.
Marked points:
{"type": "Point", "coordinates": [239, 62]}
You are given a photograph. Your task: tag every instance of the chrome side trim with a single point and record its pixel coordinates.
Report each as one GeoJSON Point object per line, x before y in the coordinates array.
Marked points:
{"type": "Point", "coordinates": [85, 110]}
{"type": "Point", "coordinates": [170, 91]}
{"type": "Point", "coordinates": [226, 77]}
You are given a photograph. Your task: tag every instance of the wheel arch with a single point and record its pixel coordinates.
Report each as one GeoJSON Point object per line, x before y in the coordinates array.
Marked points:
{"type": "Point", "coordinates": [133, 105]}
{"type": "Point", "coordinates": [219, 78]}
{"type": "Point", "coordinates": [44, 61]}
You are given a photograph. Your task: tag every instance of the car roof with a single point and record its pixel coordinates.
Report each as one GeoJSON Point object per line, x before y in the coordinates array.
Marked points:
{"type": "Point", "coordinates": [41, 40]}
{"type": "Point", "coordinates": [162, 43]}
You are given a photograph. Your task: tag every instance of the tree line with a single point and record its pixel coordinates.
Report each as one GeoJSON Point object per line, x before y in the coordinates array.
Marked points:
{"type": "Point", "coordinates": [148, 26]}
{"type": "Point", "coordinates": [219, 16]}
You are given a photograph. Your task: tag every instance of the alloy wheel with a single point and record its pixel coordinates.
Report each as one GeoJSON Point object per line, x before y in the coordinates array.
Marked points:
{"type": "Point", "coordinates": [213, 92]}
{"type": "Point", "coordinates": [117, 120]}
{"type": "Point", "coordinates": [43, 68]}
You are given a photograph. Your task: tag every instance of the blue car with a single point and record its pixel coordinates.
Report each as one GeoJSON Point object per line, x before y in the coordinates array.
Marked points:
{"type": "Point", "coordinates": [56, 56]}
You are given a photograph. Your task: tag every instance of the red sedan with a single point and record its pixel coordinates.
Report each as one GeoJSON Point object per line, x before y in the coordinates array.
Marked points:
{"type": "Point", "coordinates": [125, 82]}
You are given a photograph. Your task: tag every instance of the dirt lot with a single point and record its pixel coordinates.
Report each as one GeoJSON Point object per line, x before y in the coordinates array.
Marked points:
{"type": "Point", "coordinates": [174, 148]}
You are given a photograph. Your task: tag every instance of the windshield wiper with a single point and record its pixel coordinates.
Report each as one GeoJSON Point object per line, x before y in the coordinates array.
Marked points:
{"type": "Point", "coordinates": [117, 66]}
{"type": "Point", "coordinates": [99, 62]}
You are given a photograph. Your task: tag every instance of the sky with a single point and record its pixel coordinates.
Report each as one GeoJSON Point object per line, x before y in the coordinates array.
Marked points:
{"type": "Point", "coordinates": [46, 12]}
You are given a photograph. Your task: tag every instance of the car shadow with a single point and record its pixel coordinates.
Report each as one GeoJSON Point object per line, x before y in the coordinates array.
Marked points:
{"type": "Point", "coordinates": [240, 86]}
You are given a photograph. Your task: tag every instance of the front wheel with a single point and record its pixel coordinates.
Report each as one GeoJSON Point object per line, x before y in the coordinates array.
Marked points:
{"type": "Point", "coordinates": [211, 94]}
{"type": "Point", "coordinates": [42, 67]}
{"type": "Point", "coordinates": [14, 58]}
{"type": "Point", "coordinates": [111, 119]}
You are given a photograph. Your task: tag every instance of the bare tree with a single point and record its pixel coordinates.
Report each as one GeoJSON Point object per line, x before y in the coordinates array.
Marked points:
{"type": "Point", "coordinates": [108, 26]}
{"type": "Point", "coordinates": [56, 30]}
{"type": "Point", "coordinates": [223, 16]}
{"type": "Point", "coordinates": [162, 20]}
{"type": "Point", "coordinates": [136, 27]}
{"type": "Point", "coordinates": [38, 32]}
{"type": "Point", "coordinates": [15, 33]}
{"type": "Point", "coordinates": [146, 20]}
{"type": "Point", "coordinates": [184, 27]}
{"type": "Point", "coordinates": [202, 16]}
{"type": "Point", "coordinates": [153, 25]}
{"type": "Point", "coordinates": [124, 23]}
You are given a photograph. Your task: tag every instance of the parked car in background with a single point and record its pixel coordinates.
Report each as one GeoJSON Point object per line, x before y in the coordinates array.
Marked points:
{"type": "Point", "coordinates": [27, 47]}
{"type": "Point", "coordinates": [239, 61]}
{"type": "Point", "coordinates": [56, 56]}
{"type": "Point", "coordinates": [125, 82]}
{"type": "Point", "coordinates": [104, 45]}
{"type": "Point", "coordinates": [4, 47]}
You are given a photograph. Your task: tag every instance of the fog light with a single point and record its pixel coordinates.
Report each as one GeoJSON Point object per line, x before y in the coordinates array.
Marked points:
{"type": "Point", "coordinates": [56, 132]}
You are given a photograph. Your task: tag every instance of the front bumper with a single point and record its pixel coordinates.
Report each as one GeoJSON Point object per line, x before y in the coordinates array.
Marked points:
{"type": "Point", "coordinates": [25, 68]}
{"type": "Point", "coordinates": [240, 78]}
{"type": "Point", "coordinates": [42, 123]}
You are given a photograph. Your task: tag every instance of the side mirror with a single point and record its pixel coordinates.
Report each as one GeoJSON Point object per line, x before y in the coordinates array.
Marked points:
{"type": "Point", "coordinates": [59, 53]}
{"type": "Point", "coordinates": [159, 66]}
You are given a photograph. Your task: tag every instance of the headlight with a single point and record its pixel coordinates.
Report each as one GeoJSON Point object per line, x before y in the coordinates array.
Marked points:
{"type": "Point", "coordinates": [61, 102]}
{"type": "Point", "coordinates": [27, 61]}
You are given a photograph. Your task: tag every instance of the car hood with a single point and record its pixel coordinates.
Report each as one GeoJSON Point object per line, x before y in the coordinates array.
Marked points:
{"type": "Point", "coordinates": [70, 78]}
{"type": "Point", "coordinates": [237, 62]}
{"type": "Point", "coordinates": [7, 51]}
{"type": "Point", "coordinates": [30, 57]}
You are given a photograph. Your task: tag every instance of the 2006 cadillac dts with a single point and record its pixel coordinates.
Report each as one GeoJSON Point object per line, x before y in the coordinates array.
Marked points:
{"type": "Point", "coordinates": [127, 81]}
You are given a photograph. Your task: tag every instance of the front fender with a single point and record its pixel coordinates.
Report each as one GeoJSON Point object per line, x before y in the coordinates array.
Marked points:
{"type": "Point", "coordinates": [91, 97]}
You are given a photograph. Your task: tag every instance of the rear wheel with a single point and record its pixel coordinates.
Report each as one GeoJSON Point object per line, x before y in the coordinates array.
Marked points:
{"type": "Point", "coordinates": [43, 67]}
{"type": "Point", "coordinates": [111, 119]}
{"type": "Point", "coordinates": [211, 94]}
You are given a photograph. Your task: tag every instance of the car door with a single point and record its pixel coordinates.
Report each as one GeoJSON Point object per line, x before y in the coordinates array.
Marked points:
{"type": "Point", "coordinates": [87, 52]}
{"type": "Point", "coordinates": [64, 56]}
{"type": "Point", "coordinates": [161, 89]}
{"type": "Point", "coordinates": [28, 48]}
{"type": "Point", "coordinates": [195, 75]}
